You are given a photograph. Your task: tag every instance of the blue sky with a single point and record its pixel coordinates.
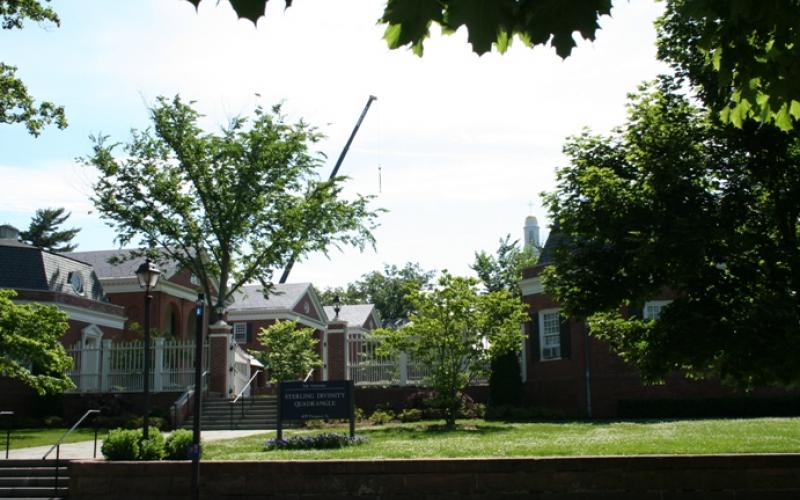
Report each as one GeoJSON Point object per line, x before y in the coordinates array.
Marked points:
{"type": "Point", "coordinates": [465, 143]}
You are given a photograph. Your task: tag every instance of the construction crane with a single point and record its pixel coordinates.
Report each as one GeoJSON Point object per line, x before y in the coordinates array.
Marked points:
{"type": "Point", "coordinates": [335, 171]}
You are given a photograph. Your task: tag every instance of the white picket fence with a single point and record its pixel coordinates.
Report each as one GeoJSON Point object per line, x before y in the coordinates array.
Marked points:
{"type": "Point", "coordinates": [365, 366]}
{"type": "Point", "coordinates": [118, 366]}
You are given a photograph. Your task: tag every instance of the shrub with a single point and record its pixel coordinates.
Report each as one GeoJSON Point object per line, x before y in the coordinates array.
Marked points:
{"type": "Point", "coordinates": [53, 421]}
{"type": "Point", "coordinates": [177, 444]}
{"type": "Point", "coordinates": [410, 415]}
{"type": "Point", "coordinates": [470, 409]}
{"type": "Point", "coordinates": [360, 415]}
{"type": "Point", "coordinates": [152, 448]}
{"type": "Point", "coordinates": [505, 381]}
{"type": "Point", "coordinates": [122, 444]}
{"type": "Point", "coordinates": [128, 444]}
{"type": "Point", "coordinates": [380, 417]}
{"type": "Point", "coordinates": [158, 422]}
{"type": "Point", "coordinates": [317, 442]}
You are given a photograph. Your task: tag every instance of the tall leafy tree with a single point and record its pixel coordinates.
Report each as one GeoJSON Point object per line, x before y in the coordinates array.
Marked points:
{"type": "Point", "coordinates": [751, 46]}
{"type": "Point", "coordinates": [456, 331]}
{"type": "Point", "coordinates": [387, 289]}
{"type": "Point", "coordinates": [230, 207]}
{"type": "Point", "coordinates": [503, 270]}
{"type": "Point", "coordinates": [30, 351]}
{"type": "Point", "coordinates": [676, 200]}
{"type": "Point", "coordinates": [16, 104]}
{"type": "Point", "coordinates": [44, 232]}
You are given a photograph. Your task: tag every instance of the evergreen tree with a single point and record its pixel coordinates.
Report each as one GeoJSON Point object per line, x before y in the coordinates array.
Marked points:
{"type": "Point", "coordinates": [43, 231]}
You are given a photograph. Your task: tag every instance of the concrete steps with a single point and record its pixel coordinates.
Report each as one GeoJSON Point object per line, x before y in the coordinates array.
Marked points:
{"type": "Point", "coordinates": [33, 479]}
{"type": "Point", "coordinates": [260, 412]}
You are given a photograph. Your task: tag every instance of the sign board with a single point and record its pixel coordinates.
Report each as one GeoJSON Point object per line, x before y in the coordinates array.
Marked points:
{"type": "Point", "coordinates": [316, 400]}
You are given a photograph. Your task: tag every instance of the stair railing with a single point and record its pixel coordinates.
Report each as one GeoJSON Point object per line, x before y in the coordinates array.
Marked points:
{"type": "Point", "coordinates": [184, 400]}
{"type": "Point", "coordinates": [239, 396]}
{"type": "Point", "coordinates": [57, 446]}
{"type": "Point", "coordinates": [8, 414]}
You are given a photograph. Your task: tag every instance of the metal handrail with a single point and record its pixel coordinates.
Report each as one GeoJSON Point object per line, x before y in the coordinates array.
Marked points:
{"type": "Point", "coordinates": [184, 398]}
{"type": "Point", "coordinates": [308, 375]}
{"type": "Point", "coordinates": [239, 396]}
{"type": "Point", "coordinates": [58, 444]}
{"type": "Point", "coordinates": [8, 429]}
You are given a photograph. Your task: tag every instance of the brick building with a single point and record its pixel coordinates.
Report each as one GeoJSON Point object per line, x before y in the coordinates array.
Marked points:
{"type": "Point", "coordinates": [567, 372]}
{"type": "Point", "coordinates": [38, 275]}
{"type": "Point", "coordinates": [172, 306]}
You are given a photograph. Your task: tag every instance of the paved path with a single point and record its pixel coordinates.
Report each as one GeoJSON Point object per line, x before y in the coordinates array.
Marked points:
{"type": "Point", "coordinates": [85, 449]}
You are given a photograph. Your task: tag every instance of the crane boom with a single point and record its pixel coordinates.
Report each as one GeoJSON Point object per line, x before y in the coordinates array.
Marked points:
{"type": "Point", "coordinates": [334, 172]}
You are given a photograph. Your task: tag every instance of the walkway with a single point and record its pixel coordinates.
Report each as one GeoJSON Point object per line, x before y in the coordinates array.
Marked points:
{"type": "Point", "coordinates": [85, 449]}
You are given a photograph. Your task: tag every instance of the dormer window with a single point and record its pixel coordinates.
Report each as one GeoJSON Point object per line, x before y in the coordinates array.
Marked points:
{"type": "Point", "coordinates": [75, 282]}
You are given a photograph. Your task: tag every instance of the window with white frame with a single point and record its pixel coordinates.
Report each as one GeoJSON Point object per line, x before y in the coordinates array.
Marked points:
{"type": "Point", "coordinates": [549, 334]}
{"type": "Point", "coordinates": [240, 333]}
{"type": "Point", "coordinates": [652, 309]}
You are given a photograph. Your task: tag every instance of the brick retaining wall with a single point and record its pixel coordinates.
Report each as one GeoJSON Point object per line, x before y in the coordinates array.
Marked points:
{"type": "Point", "coordinates": [763, 477]}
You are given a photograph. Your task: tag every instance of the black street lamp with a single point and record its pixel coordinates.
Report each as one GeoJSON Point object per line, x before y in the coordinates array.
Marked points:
{"type": "Point", "coordinates": [337, 305]}
{"type": "Point", "coordinates": [148, 274]}
{"type": "Point", "coordinates": [194, 452]}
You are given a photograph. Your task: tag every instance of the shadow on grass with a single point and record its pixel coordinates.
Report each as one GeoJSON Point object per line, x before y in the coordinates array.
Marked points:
{"type": "Point", "coordinates": [435, 430]}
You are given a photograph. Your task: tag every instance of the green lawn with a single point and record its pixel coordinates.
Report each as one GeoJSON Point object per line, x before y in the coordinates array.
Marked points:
{"type": "Point", "coordinates": [26, 438]}
{"type": "Point", "coordinates": [478, 438]}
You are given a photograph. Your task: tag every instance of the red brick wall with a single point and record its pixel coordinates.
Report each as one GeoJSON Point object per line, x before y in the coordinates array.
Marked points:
{"type": "Point", "coordinates": [559, 387]}
{"type": "Point", "coordinates": [336, 361]}
{"type": "Point", "coordinates": [133, 302]}
{"type": "Point", "coordinates": [646, 477]}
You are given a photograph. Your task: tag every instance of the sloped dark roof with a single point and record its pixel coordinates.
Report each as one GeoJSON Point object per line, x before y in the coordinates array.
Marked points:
{"type": "Point", "coordinates": [100, 261]}
{"type": "Point", "coordinates": [354, 314]}
{"type": "Point", "coordinates": [555, 240]}
{"type": "Point", "coordinates": [281, 297]}
{"type": "Point", "coordinates": [27, 267]}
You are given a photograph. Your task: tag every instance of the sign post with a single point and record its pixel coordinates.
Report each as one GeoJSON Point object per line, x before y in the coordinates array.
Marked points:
{"type": "Point", "coordinates": [316, 400]}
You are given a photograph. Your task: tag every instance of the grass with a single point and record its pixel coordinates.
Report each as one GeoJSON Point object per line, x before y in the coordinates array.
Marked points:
{"type": "Point", "coordinates": [478, 438]}
{"type": "Point", "coordinates": [27, 438]}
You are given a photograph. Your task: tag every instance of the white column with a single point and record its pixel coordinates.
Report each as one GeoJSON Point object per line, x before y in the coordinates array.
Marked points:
{"type": "Point", "coordinates": [105, 366]}
{"type": "Point", "coordinates": [158, 366]}
{"type": "Point", "coordinates": [403, 359]}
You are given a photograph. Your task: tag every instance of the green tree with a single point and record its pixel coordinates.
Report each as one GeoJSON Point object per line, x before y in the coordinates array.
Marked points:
{"type": "Point", "coordinates": [741, 56]}
{"type": "Point", "coordinates": [289, 352]}
{"type": "Point", "coordinates": [387, 289]}
{"type": "Point", "coordinates": [675, 200]}
{"type": "Point", "coordinates": [16, 104]}
{"type": "Point", "coordinates": [503, 270]}
{"type": "Point", "coordinates": [456, 331]}
{"type": "Point", "coordinates": [230, 207]}
{"type": "Point", "coordinates": [751, 46]}
{"type": "Point", "coordinates": [30, 351]}
{"type": "Point", "coordinates": [43, 231]}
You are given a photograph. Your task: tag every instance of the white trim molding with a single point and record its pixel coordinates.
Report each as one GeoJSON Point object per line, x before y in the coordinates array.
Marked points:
{"type": "Point", "coordinates": [273, 314]}
{"type": "Point", "coordinates": [130, 285]}
{"type": "Point", "coordinates": [542, 346]}
{"type": "Point", "coordinates": [83, 314]}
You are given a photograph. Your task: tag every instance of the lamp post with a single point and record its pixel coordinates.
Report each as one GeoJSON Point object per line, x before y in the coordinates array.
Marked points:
{"type": "Point", "coordinates": [337, 305]}
{"type": "Point", "coordinates": [194, 453]}
{"type": "Point", "coordinates": [148, 274]}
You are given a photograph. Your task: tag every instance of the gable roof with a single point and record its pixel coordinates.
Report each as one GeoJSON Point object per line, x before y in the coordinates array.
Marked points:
{"type": "Point", "coordinates": [353, 314]}
{"type": "Point", "coordinates": [282, 297]}
{"type": "Point", "coordinates": [100, 261]}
